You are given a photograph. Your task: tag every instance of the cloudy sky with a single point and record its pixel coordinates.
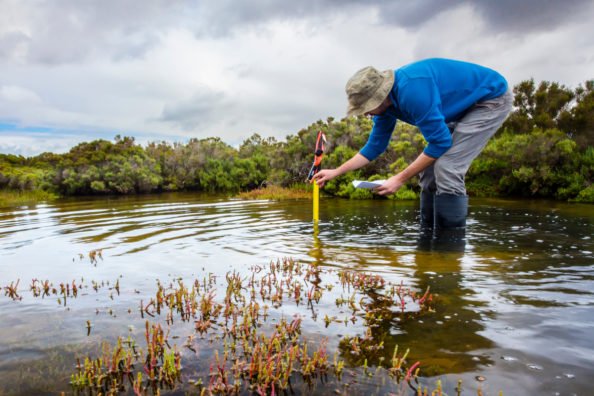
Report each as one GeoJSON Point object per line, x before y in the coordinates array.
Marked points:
{"type": "Point", "coordinates": [76, 70]}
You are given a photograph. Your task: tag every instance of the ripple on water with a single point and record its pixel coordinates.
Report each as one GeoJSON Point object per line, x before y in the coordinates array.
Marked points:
{"type": "Point", "coordinates": [509, 358]}
{"type": "Point", "coordinates": [11, 356]}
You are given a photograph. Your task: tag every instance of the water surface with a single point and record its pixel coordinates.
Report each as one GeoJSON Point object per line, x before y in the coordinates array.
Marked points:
{"type": "Point", "coordinates": [514, 300]}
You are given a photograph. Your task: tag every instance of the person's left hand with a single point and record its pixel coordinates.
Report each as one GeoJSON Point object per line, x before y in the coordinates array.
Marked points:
{"type": "Point", "coordinates": [390, 186]}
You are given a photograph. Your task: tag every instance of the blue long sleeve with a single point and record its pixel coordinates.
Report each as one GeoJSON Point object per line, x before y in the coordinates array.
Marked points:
{"type": "Point", "coordinates": [422, 103]}
{"type": "Point", "coordinates": [379, 138]}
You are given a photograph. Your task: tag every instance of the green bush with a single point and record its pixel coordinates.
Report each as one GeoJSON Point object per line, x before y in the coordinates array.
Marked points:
{"type": "Point", "coordinates": [586, 195]}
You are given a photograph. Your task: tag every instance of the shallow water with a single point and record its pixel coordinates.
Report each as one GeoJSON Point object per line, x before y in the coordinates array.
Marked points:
{"type": "Point", "coordinates": [514, 302]}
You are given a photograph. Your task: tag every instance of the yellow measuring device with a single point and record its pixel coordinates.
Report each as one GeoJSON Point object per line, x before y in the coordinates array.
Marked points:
{"type": "Point", "coordinates": [316, 202]}
{"type": "Point", "coordinates": [317, 165]}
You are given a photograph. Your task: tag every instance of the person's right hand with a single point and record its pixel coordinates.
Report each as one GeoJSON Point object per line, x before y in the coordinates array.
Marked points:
{"type": "Point", "coordinates": [323, 176]}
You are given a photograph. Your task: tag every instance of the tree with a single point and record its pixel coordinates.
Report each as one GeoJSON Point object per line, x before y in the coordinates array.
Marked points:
{"type": "Point", "coordinates": [539, 107]}
{"type": "Point", "coordinates": [579, 122]}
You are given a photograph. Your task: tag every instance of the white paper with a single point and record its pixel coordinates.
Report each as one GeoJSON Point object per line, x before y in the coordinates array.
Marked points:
{"type": "Point", "coordinates": [367, 184]}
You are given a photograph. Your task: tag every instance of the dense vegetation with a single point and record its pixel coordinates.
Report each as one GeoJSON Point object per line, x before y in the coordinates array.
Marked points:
{"type": "Point", "coordinates": [544, 149]}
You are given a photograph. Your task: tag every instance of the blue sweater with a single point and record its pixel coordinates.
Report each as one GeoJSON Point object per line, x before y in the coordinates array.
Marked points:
{"type": "Point", "coordinates": [429, 94]}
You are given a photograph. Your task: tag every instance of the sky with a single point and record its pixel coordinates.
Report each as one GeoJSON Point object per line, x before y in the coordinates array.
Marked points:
{"type": "Point", "coordinates": [79, 70]}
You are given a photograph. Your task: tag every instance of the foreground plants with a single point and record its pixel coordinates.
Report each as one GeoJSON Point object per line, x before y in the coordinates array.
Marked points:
{"type": "Point", "coordinates": [282, 328]}
{"type": "Point", "coordinates": [63, 291]}
{"type": "Point", "coordinates": [254, 347]}
{"type": "Point", "coordinates": [115, 369]}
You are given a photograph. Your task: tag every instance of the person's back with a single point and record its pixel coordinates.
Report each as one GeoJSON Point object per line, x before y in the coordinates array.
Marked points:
{"type": "Point", "coordinates": [460, 84]}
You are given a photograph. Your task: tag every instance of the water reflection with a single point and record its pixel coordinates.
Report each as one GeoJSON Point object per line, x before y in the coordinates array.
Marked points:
{"type": "Point", "coordinates": [317, 251]}
{"type": "Point", "coordinates": [447, 341]}
{"type": "Point", "coordinates": [457, 325]}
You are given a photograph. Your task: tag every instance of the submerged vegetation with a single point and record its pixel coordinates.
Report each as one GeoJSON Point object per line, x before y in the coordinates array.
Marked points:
{"type": "Point", "coordinates": [240, 339]}
{"type": "Point", "coordinates": [545, 149]}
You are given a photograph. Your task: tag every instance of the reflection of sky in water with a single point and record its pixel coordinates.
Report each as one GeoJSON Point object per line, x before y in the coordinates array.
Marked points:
{"type": "Point", "coordinates": [515, 302]}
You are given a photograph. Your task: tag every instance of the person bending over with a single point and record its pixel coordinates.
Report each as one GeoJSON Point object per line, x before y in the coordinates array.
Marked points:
{"type": "Point", "coordinates": [456, 105]}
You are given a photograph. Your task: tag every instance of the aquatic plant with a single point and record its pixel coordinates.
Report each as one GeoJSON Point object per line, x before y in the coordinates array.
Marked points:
{"type": "Point", "coordinates": [63, 290]}
{"type": "Point", "coordinates": [252, 352]}
{"type": "Point", "coordinates": [106, 374]}
{"type": "Point", "coordinates": [12, 290]}
{"type": "Point", "coordinates": [116, 369]}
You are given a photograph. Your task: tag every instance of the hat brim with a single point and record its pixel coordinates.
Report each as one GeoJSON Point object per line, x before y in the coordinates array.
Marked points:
{"type": "Point", "coordinates": [377, 98]}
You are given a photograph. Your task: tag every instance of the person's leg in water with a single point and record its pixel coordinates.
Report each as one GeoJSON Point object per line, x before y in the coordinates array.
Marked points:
{"type": "Point", "coordinates": [470, 135]}
{"type": "Point", "coordinates": [427, 183]}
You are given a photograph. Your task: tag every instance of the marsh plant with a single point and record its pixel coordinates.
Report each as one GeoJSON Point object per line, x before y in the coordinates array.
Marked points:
{"type": "Point", "coordinates": [238, 320]}
{"type": "Point", "coordinates": [125, 366]}
{"type": "Point", "coordinates": [63, 291]}
{"type": "Point", "coordinates": [255, 347]}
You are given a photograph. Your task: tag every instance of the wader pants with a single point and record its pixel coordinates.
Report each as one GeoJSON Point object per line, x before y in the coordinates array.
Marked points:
{"type": "Point", "coordinates": [444, 203]}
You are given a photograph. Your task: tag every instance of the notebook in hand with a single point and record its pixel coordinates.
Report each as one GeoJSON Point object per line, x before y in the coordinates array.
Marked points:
{"type": "Point", "coordinates": [367, 184]}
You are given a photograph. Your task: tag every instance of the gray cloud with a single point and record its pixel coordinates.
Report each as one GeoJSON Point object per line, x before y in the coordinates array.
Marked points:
{"type": "Point", "coordinates": [64, 31]}
{"type": "Point", "coordinates": [531, 15]}
{"type": "Point", "coordinates": [11, 43]}
{"type": "Point", "coordinates": [412, 14]}
{"type": "Point", "coordinates": [226, 16]}
{"type": "Point", "coordinates": [197, 111]}
{"type": "Point", "coordinates": [504, 16]}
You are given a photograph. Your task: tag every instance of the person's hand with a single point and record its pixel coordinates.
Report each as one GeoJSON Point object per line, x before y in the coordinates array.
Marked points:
{"type": "Point", "coordinates": [323, 176]}
{"type": "Point", "coordinates": [390, 186]}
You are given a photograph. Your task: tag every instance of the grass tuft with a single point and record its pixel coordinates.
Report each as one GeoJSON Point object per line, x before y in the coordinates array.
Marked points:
{"type": "Point", "coordinates": [278, 193]}
{"type": "Point", "coordinates": [14, 198]}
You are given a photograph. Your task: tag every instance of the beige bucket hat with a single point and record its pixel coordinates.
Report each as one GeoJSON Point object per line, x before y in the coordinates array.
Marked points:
{"type": "Point", "coordinates": [367, 89]}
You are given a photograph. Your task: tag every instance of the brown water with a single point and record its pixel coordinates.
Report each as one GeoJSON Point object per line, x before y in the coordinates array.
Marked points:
{"type": "Point", "coordinates": [514, 301]}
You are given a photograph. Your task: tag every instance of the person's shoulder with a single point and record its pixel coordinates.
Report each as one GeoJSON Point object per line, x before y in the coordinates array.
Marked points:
{"type": "Point", "coordinates": [410, 76]}
{"type": "Point", "coordinates": [418, 69]}
{"type": "Point", "coordinates": [432, 68]}
{"type": "Point", "coordinates": [449, 65]}
{"type": "Point", "coordinates": [428, 63]}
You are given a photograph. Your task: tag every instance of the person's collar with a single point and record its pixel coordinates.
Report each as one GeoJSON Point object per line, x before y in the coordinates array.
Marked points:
{"type": "Point", "coordinates": [393, 97]}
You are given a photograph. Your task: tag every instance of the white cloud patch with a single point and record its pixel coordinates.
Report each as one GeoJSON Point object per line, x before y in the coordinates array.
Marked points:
{"type": "Point", "coordinates": [16, 142]}
{"type": "Point", "coordinates": [197, 111]}
{"type": "Point", "coordinates": [14, 93]}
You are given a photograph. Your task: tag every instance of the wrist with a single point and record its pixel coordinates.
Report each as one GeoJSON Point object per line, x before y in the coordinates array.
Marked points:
{"type": "Point", "coordinates": [400, 178]}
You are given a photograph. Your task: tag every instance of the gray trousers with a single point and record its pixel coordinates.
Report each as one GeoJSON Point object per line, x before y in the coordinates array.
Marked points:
{"type": "Point", "coordinates": [469, 136]}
